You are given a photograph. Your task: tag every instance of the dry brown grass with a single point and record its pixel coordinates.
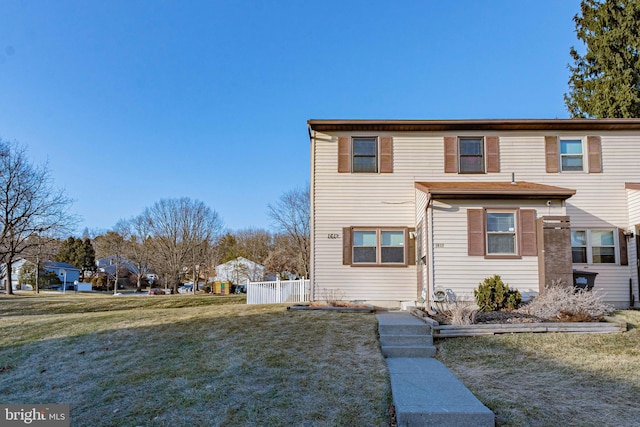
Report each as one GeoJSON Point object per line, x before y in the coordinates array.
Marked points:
{"type": "Point", "coordinates": [186, 361]}
{"type": "Point", "coordinates": [553, 379]}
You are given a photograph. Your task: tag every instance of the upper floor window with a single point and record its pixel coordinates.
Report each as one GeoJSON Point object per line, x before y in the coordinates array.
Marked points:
{"type": "Point", "coordinates": [571, 158]}
{"type": "Point", "coordinates": [365, 155]}
{"type": "Point", "coordinates": [471, 156]}
{"type": "Point", "coordinates": [571, 154]}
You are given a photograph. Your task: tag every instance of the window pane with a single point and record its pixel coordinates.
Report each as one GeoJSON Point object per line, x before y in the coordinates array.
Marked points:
{"type": "Point", "coordinates": [364, 238]}
{"type": "Point", "coordinates": [392, 254]}
{"type": "Point", "coordinates": [602, 238]}
{"type": "Point", "coordinates": [471, 164]}
{"type": "Point", "coordinates": [471, 147]}
{"type": "Point", "coordinates": [364, 255]}
{"type": "Point", "coordinates": [364, 147]}
{"type": "Point", "coordinates": [578, 238]}
{"type": "Point", "coordinates": [365, 164]}
{"type": "Point", "coordinates": [571, 147]}
{"type": "Point", "coordinates": [572, 163]}
{"type": "Point", "coordinates": [392, 238]}
{"type": "Point", "coordinates": [501, 244]}
{"type": "Point", "coordinates": [504, 222]}
{"type": "Point", "coordinates": [579, 255]}
{"type": "Point", "coordinates": [604, 255]}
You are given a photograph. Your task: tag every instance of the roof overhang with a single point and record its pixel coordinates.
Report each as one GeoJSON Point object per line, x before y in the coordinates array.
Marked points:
{"type": "Point", "coordinates": [493, 190]}
{"type": "Point", "coordinates": [475, 125]}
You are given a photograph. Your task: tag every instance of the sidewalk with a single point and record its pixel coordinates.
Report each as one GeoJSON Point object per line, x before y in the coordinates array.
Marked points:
{"type": "Point", "coordinates": [425, 392]}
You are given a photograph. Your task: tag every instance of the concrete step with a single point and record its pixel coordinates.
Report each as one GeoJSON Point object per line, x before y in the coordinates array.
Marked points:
{"type": "Point", "coordinates": [404, 351]}
{"type": "Point", "coordinates": [422, 339]}
{"type": "Point", "coordinates": [409, 329]}
{"type": "Point", "coordinates": [426, 393]}
{"type": "Point", "coordinates": [401, 324]}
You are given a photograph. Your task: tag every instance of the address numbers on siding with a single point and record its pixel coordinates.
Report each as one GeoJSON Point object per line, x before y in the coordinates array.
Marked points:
{"type": "Point", "coordinates": [333, 236]}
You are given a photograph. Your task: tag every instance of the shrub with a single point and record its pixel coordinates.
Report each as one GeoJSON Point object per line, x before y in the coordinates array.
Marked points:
{"type": "Point", "coordinates": [493, 295]}
{"type": "Point", "coordinates": [564, 303]}
{"type": "Point", "coordinates": [462, 313]}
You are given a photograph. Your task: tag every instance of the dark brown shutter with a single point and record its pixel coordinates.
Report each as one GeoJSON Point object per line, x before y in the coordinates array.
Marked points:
{"type": "Point", "coordinates": [346, 246]}
{"type": "Point", "coordinates": [622, 243]}
{"type": "Point", "coordinates": [551, 154]}
{"type": "Point", "coordinates": [528, 243]}
{"type": "Point", "coordinates": [450, 154]}
{"type": "Point", "coordinates": [594, 146]}
{"type": "Point", "coordinates": [493, 153]}
{"type": "Point", "coordinates": [344, 154]}
{"type": "Point", "coordinates": [411, 247]}
{"type": "Point", "coordinates": [475, 232]}
{"type": "Point", "coordinates": [386, 154]}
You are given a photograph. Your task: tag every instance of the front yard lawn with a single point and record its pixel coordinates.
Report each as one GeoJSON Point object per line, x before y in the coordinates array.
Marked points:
{"type": "Point", "coordinates": [191, 361]}
{"type": "Point", "coordinates": [553, 379]}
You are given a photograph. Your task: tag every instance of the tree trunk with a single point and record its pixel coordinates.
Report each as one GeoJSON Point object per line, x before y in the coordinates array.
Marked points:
{"type": "Point", "coordinates": [9, 278]}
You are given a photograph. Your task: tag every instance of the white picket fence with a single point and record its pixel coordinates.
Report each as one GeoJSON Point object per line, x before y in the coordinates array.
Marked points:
{"type": "Point", "coordinates": [278, 291]}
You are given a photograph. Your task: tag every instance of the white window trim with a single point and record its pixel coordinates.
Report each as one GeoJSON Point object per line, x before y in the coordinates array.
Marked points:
{"type": "Point", "coordinates": [514, 232]}
{"type": "Point", "coordinates": [616, 246]}
{"type": "Point", "coordinates": [584, 153]}
{"type": "Point", "coordinates": [378, 261]}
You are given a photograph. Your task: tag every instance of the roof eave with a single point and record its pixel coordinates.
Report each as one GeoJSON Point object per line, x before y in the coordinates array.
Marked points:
{"type": "Point", "coordinates": [475, 125]}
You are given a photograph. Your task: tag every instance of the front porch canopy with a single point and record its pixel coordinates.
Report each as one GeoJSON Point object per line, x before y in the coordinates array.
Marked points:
{"type": "Point", "coordinates": [493, 190]}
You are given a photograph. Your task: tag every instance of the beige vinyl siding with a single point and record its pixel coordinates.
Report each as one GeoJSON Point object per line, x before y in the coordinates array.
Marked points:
{"type": "Point", "coordinates": [633, 197]}
{"type": "Point", "coordinates": [343, 200]}
{"type": "Point", "coordinates": [450, 251]}
{"type": "Point", "coordinates": [362, 199]}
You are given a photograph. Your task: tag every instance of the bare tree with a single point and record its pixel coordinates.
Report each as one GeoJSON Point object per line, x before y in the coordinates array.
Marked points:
{"type": "Point", "coordinates": [181, 229]}
{"type": "Point", "coordinates": [111, 244]}
{"type": "Point", "coordinates": [29, 205]}
{"type": "Point", "coordinates": [138, 245]}
{"type": "Point", "coordinates": [291, 216]}
{"type": "Point", "coordinates": [254, 244]}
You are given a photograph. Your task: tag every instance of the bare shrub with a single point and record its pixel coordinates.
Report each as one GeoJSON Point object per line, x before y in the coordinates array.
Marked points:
{"type": "Point", "coordinates": [332, 297]}
{"type": "Point", "coordinates": [562, 302]}
{"type": "Point", "coordinates": [463, 313]}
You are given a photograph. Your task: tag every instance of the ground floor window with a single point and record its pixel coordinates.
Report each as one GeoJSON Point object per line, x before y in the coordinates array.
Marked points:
{"type": "Point", "coordinates": [593, 246]}
{"type": "Point", "coordinates": [378, 246]}
{"type": "Point", "coordinates": [501, 233]}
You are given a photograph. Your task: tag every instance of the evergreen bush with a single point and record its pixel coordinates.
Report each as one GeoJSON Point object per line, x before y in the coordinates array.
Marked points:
{"type": "Point", "coordinates": [494, 295]}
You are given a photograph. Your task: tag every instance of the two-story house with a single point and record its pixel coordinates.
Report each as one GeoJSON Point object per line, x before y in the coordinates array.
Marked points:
{"type": "Point", "coordinates": [403, 207]}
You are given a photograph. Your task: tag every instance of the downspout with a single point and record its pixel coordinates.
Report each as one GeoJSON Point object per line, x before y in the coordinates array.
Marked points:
{"type": "Point", "coordinates": [432, 266]}
{"type": "Point", "coordinates": [312, 198]}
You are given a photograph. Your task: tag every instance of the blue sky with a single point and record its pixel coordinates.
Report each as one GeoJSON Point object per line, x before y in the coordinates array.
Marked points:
{"type": "Point", "coordinates": [134, 101]}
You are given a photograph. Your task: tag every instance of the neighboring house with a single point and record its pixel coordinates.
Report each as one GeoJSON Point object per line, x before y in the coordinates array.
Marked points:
{"type": "Point", "coordinates": [403, 207]}
{"type": "Point", "coordinates": [240, 270]}
{"type": "Point", "coordinates": [67, 273]}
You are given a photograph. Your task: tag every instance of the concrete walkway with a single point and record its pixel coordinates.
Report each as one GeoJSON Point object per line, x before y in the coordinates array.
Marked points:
{"type": "Point", "coordinates": [425, 392]}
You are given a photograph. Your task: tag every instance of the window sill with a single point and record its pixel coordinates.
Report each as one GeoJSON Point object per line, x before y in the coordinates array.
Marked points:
{"type": "Point", "coordinates": [380, 265]}
{"type": "Point", "coordinates": [502, 257]}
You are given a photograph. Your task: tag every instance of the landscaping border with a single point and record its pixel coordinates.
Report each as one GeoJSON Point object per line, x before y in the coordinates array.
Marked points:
{"type": "Point", "coordinates": [609, 326]}
{"type": "Point", "coordinates": [368, 309]}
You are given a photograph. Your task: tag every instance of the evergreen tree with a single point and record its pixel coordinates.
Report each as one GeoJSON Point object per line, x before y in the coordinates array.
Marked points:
{"type": "Point", "coordinates": [79, 253]}
{"type": "Point", "coordinates": [605, 81]}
